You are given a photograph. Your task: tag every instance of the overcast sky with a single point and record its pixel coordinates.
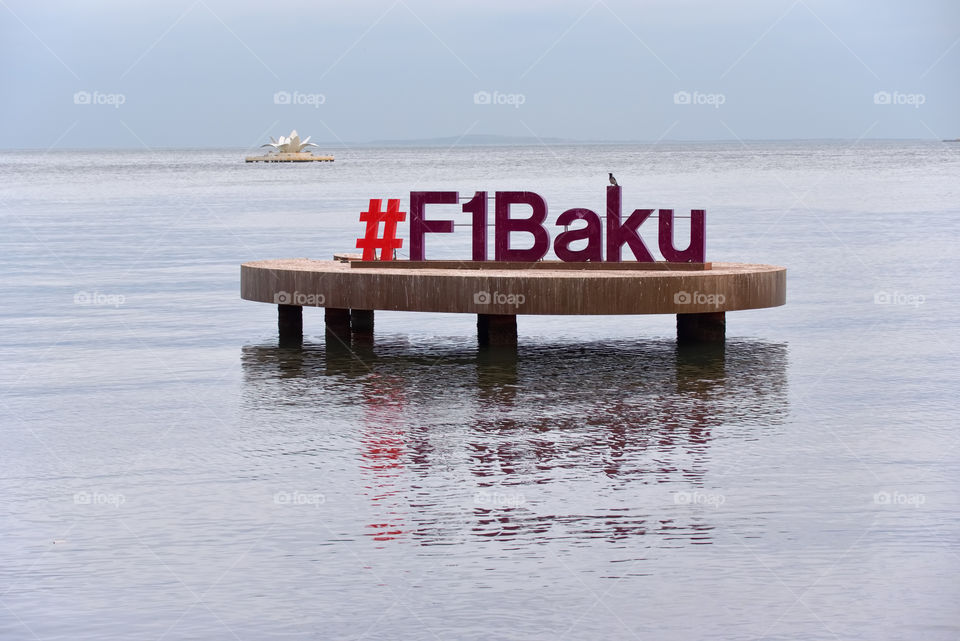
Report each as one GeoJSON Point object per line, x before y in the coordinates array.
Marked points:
{"type": "Point", "coordinates": [229, 72]}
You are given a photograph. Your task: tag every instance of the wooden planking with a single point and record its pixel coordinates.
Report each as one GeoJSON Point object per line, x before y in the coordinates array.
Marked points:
{"type": "Point", "coordinates": [337, 284]}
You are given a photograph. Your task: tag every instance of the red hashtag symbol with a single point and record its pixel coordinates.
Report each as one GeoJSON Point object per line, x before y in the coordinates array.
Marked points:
{"type": "Point", "coordinates": [372, 241]}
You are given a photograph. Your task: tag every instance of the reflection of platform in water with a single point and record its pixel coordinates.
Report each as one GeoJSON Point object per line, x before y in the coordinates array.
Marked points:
{"type": "Point", "coordinates": [350, 291]}
{"type": "Point", "coordinates": [605, 417]}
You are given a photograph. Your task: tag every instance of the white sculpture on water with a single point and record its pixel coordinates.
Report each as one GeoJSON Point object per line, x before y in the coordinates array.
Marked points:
{"type": "Point", "coordinates": [291, 144]}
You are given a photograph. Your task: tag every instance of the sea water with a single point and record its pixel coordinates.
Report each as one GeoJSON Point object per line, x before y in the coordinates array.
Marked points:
{"type": "Point", "coordinates": [169, 472]}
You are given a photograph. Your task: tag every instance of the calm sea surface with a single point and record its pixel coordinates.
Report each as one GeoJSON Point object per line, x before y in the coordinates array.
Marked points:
{"type": "Point", "coordinates": [168, 472]}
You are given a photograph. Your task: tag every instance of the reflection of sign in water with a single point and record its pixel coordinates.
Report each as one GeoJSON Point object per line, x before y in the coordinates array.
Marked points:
{"type": "Point", "coordinates": [383, 448]}
{"type": "Point", "coordinates": [597, 440]}
{"type": "Point", "coordinates": [593, 239]}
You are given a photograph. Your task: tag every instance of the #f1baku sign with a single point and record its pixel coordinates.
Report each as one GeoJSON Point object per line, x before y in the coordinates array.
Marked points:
{"type": "Point", "coordinates": [604, 238]}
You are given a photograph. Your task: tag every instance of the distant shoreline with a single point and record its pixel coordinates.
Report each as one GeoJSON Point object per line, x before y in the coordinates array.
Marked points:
{"type": "Point", "coordinates": [502, 141]}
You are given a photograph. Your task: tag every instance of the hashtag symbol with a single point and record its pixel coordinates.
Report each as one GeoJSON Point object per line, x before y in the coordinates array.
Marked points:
{"type": "Point", "coordinates": [372, 240]}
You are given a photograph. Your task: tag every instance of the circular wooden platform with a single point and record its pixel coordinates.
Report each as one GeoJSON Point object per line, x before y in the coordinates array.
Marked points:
{"type": "Point", "coordinates": [492, 290]}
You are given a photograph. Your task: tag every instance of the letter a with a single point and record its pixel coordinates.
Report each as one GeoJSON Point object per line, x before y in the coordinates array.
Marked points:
{"type": "Point", "coordinates": [593, 233]}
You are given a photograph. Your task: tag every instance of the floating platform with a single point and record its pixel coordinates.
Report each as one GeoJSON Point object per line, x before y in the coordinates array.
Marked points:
{"type": "Point", "coordinates": [350, 290]}
{"type": "Point", "coordinates": [301, 156]}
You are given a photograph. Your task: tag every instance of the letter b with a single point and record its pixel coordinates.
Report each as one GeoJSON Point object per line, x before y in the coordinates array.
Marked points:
{"type": "Point", "coordinates": [533, 225]}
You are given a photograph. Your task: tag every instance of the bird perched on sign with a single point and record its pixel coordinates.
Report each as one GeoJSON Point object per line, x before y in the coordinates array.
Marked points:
{"type": "Point", "coordinates": [613, 181]}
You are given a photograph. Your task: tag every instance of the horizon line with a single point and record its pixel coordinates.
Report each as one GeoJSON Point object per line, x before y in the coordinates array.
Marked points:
{"type": "Point", "coordinates": [505, 141]}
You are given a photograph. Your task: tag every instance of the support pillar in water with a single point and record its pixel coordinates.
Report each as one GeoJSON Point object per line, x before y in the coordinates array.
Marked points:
{"type": "Point", "coordinates": [497, 329]}
{"type": "Point", "coordinates": [337, 322]}
{"type": "Point", "coordinates": [710, 327]}
{"type": "Point", "coordinates": [290, 324]}
{"type": "Point", "coordinates": [361, 321]}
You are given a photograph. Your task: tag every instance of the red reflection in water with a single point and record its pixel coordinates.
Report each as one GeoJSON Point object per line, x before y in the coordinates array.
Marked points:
{"type": "Point", "coordinates": [383, 448]}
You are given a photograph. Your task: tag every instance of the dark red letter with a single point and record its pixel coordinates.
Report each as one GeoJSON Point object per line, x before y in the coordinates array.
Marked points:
{"type": "Point", "coordinates": [533, 225]}
{"type": "Point", "coordinates": [618, 234]}
{"type": "Point", "coordinates": [696, 251]}
{"type": "Point", "coordinates": [419, 226]}
{"type": "Point", "coordinates": [478, 207]}
{"type": "Point", "coordinates": [593, 232]}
